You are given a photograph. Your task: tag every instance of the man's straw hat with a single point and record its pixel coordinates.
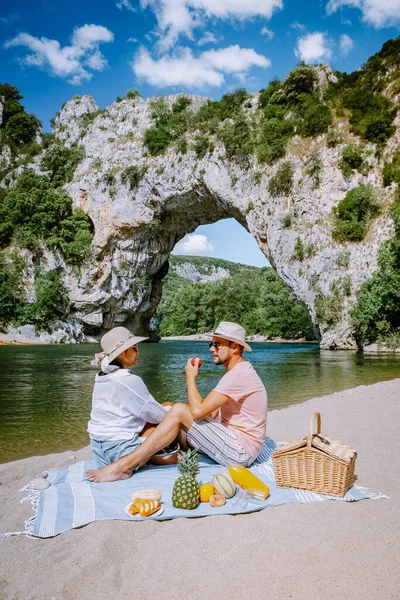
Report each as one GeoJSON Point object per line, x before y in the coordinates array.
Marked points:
{"type": "Point", "coordinates": [233, 333]}
{"type": "Point", "coordinates": [117, 340]}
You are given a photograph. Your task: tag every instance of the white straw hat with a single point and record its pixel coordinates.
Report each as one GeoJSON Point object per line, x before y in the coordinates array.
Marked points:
{"type": "Point", "coordinates": [117, 340]}
{"type": "Point", "coordinates": [233, 333]}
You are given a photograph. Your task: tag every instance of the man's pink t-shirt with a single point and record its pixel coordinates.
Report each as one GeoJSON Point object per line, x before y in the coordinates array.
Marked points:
{"type": "Point", "coordinates": [245, 413]}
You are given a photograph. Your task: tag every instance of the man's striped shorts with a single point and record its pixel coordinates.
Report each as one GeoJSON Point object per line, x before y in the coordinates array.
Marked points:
{"type": "Point", "coordinates": [218, 442]}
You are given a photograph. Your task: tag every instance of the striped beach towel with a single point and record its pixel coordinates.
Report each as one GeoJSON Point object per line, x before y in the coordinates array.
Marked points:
{"type": "Point", "coordinates": [72, 501]}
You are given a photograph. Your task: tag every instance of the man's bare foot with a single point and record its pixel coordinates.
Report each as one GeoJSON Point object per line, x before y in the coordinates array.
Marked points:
{"type": "Point", "coordinates": [111, 472]}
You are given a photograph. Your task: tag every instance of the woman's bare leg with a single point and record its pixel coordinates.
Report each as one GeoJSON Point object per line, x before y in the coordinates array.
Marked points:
{"type": "Point", "coordinates": [179, 417]}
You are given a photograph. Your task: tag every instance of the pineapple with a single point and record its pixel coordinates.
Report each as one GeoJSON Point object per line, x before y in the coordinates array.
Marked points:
{"type": "Point", "coordinates": [186, 489]}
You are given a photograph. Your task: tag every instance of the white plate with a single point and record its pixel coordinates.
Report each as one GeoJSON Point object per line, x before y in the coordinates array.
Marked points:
{"type": "Point", "coordinates": [158, 512]}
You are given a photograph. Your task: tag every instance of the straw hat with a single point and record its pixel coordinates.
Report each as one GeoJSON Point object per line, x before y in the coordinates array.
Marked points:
{"type": "Point", "coordinates": [233, 333]}
{"type": "Point", "coordinates": [117, 340]}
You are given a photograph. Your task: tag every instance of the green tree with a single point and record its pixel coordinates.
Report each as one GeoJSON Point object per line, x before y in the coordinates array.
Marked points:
{"type": "Point", "coordinates": [353, 214]}
{"type": "Point", "coordinates": [61, 162]}
{"type": "Point", "coordinates": [21, 128]}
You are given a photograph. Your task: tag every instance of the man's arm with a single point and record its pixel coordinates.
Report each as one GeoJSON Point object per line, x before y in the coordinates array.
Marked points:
{"type": "Point", "coordinates": [200, 407]}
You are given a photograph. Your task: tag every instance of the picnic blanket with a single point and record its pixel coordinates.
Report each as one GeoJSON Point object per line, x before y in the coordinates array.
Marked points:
{"type": "Point", "coordinates": [73, 501]}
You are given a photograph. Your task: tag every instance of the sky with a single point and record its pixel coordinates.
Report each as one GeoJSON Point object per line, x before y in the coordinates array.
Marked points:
{"type": "Point", "coordinates": [53, 50]}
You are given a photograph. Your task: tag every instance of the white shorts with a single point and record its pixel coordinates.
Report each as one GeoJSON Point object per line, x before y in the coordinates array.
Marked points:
{"type": "Point", "coordinates": [218, 442]}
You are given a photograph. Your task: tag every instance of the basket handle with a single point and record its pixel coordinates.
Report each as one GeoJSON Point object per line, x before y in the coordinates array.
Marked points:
{"type": "Point", "coordinates": [316, 417]}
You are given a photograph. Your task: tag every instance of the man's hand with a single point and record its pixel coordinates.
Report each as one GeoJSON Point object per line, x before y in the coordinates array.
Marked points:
{"type": "Point", "coordinates": [192, 367]}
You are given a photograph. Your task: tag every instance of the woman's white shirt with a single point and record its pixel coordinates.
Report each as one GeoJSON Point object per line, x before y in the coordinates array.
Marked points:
{"type": "Point", "coordinates": [121, 406]}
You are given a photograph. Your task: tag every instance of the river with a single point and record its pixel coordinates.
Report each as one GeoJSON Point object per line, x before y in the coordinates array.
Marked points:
{"type": "Point", "coordinates": [45, 392]}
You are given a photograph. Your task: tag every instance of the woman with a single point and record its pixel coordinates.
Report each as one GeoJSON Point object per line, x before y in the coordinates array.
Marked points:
{"type": "Point", "coordinates": [123, 412]}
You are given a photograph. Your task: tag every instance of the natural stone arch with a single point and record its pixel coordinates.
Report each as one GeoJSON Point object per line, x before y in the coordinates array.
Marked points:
{"type": "Point", "coordinates": [136, 229]}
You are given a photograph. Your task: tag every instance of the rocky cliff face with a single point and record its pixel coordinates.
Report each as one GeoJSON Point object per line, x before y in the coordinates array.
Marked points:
{"type": "Point", "coordinates": [138, 224]}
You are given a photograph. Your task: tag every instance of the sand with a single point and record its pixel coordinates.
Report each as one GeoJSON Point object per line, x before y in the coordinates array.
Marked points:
{"type": "Point", "coordinates": [329, 550]}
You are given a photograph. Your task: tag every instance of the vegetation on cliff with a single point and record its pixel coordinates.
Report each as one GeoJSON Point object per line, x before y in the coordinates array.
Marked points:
{"type": "Point", "coordinates": [51, 300]}
{"type": "Point", "coordinates": [376, 318]}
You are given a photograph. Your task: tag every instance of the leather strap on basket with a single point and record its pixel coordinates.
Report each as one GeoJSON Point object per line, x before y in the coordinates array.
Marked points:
{"type": "Point", "coordinates": [316, 416]}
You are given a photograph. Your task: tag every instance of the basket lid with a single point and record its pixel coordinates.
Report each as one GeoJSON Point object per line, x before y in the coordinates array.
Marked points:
{"type": "Point", "coordinates": [320, 442]}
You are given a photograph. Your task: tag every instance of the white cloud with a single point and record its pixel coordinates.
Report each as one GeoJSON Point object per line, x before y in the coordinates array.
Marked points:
{"type": "Point", "coordinates": [378, 13]}
{"type": "Point", "coordinates": [235, 59]}
{"type": "Point", "coordinates": [346, 44]}
{"type": "Point", "coordinates": [207, 38]}
{"type": "Point", "coordinates": [72, 62]}
{"type": "Point", "coordinates": [194, 244]}
{"type": "Point", "coordinates": [313, 48]}
{"type": "Point", "coordinates": [297, 25]}
{"type": "Point", "coordinates": [267, 33]}
{"type": "Point", "coordinates": [181, 17]}
{"type": "Point", "coordinates": [133, 40]}
{"type": "Point", "coordinates": [125, 4]}
{"type": "Point", "coordinates": [184, 69]}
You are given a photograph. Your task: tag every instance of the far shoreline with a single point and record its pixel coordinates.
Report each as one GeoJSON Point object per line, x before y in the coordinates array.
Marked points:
{"type": "Point", "coordinates": [205, 337]}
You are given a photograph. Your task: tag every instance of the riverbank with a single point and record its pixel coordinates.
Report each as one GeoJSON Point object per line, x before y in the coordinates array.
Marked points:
{"type": "Point", "coordinates": [205, 337]}
{"type": "Point", "coordinates": [351, 549]}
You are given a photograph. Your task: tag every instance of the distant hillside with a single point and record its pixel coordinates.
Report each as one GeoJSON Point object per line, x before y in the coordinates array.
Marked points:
{"type": "Point", "coordinates": [199, 292]}
{"type": "Point", "coordinates": [205, 268]}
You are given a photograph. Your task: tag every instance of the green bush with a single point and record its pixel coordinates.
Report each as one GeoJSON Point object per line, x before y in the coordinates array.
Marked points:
{"type": "Point", "coordinates": [202, 145]}
{"type": "Point", "coordinates": [274, 133]}
{"type": "Point", "coordinates": [300, 81]}
{"type": "Point", "coordinates": [352, 157]}
{"type": "Point", "coordinates": [181, 104]}
{"type": "Point", "coordinates": [372, 115]}
{"type": "Point", "coordinates": [130, 94]}
{"type": "Point", "coordinates": [181, 145]}
{"type": "Point", "coordinates": [287, 221]}
{"type": "Point", "coordinates": [298, 251]}
{"type": "Point", "coordinates": [329, 309]}
{"type": "Point", "coordinates": [157, 139]}
{"type": "Point", "coordinates": [314, 168]}
{"type": "Point", "coordinates": [353, 214]}
{"type": "Point", "coordinates": [11, 102]}
{"type": "Point", "coordinates": [74, 238]}
{"type": "Point", "coordinates": [51, 299]}
{"type": "Point", "coordinates": [61, 162]}
{"type": "Point", "coordinates": [133, 175]}
{"type": "Point", "coordinates": [391, 170]}
{"type": "Point", "coordinates": [315, 117]}
{"type": "Point", "coordinates": [21, 128]}
{"type": "Point", "coordinates": [237, 139]}
{"type": "Point", "coordinates": [333, 137]}
{"type": "Point", "coordinates": [109, 179]}
{"type": "Point", "coordinates": [159, 110]}
{"type": "Point", "coordinates": [376, 316]}
{"type": "Point", "coordinates": [12, 288]}
{"type": "Point", "coordinates": [34, 210]}
{"type": "Point", "coordinates": [282, 182]}
{"type": "Point", "coordinates": [268, 92]}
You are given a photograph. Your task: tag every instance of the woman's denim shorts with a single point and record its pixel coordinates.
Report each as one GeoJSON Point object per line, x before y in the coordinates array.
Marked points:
{"type": "Point", "coordinates": [105, 453]}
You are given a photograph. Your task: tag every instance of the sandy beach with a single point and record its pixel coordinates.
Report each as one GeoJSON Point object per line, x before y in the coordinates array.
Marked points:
{"type": "Point", "coordinates": [331, 549]}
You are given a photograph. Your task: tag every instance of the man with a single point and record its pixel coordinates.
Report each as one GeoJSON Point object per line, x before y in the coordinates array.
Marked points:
{"type": "Point", "coordinates": [240, 399]}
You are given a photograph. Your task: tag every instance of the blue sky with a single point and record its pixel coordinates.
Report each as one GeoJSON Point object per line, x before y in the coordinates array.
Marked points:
{"type": "Point", "coordinates": [53, 50]}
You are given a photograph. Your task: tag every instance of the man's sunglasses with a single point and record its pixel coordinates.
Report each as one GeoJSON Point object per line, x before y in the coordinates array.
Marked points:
{"type": "Point", "coordinates": [216, 345]}
{"type": "Point", "coordinates": [135, 348]}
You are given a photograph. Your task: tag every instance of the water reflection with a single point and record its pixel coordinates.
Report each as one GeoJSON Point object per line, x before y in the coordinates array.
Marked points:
{"type": "Point", "coordinates": [45, 394]}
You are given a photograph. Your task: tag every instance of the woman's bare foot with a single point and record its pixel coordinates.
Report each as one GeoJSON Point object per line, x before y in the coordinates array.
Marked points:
{"type": "Point", "coordinates": [112, 472]}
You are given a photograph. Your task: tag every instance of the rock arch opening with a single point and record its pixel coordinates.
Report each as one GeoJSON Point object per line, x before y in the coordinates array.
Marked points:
{"type": "Point", "coordinates": [134, 262]}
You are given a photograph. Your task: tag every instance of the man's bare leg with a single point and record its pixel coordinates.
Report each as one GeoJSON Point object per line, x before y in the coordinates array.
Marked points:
{"type": "Point", "coordinates": [179, 417]}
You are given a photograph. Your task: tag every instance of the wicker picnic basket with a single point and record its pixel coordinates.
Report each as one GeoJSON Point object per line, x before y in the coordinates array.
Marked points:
{"type": "Point", "coordinates": [316, 463]}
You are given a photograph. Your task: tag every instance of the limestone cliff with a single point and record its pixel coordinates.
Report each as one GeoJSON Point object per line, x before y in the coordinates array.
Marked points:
{"type": "Point", "coordinates": [138, 221]}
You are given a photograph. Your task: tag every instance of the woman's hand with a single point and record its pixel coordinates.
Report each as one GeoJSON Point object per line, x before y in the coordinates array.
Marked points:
{"type": "Point", "coordinates": [192, 367]}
